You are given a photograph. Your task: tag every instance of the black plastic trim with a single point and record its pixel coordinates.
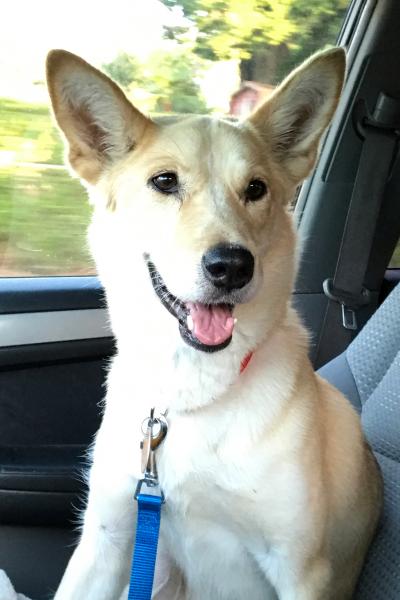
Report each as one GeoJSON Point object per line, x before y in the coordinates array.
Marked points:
{"type": "Point", "coordinates": [45, 480]}
{"type": "Point", "coordinates": [56, 352]}
{"type": "Point", "coordinates": [39, 508]}
{"type": "Point", "coordinates": [40, 294]}
{"type": "Point", "coordinates": [41, 485]}
{"type": "Point", "coordinates": [43, 468]}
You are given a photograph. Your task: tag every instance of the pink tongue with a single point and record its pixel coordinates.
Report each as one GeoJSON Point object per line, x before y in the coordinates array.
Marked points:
{"type": "Point", "coordinates": [212, 325]}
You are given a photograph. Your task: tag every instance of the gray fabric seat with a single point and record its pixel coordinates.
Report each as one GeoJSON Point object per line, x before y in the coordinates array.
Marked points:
{"type": "Point", "coordinates": [368, 373]}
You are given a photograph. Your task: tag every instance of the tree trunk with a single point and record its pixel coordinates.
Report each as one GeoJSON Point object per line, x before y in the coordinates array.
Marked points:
{"type": "Point", "coordinates": [263, 66]}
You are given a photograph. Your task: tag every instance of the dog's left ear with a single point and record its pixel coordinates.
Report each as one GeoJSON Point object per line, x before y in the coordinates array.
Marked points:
{"type": "Point", "coordinates": [293, 119]}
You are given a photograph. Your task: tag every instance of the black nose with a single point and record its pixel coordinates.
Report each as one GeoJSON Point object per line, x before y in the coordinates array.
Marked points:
{"type": "Point", "coordinates": [228, 266]}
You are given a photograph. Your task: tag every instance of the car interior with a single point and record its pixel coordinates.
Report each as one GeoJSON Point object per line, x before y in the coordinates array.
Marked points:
{"type": "Point", "coordinates": [55, 341]}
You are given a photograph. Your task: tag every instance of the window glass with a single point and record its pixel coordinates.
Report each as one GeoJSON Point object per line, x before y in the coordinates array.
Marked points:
{"type": "Point", "coordinates": [395, 260]}
{"type": "Point", "coordinates": [203, 56]}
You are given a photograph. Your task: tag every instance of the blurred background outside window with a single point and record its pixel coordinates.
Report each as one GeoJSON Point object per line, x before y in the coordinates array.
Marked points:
{"type": "Point", "coordinates": [197, 56]}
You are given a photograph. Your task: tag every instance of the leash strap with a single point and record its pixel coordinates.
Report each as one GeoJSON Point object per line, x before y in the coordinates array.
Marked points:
{"type": "Point", "coordinates": [145, 551]}
{"type": "Point", "coordinates": [150, 499]}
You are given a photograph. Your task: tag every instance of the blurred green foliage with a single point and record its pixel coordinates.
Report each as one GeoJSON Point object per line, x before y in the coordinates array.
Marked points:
{"type": "Point", "coordinates": [171, 77]}
{"type": "Point", "coordinates": [395, 260]}
{"type": "Point", "coordinates": [168, 77]}
{"type": "Point", "coordinates": [124, 69]}
{"type": "Point", "coordinates": [28, 134]}
{"type": "Point", "coordinates": [277, 35]}
{"type": "Point", "coordinates": [43, 220]}
{"type": "Point", "coordinates": [44, 213]}
{"type": "Point", "coordinates": [234, 28]}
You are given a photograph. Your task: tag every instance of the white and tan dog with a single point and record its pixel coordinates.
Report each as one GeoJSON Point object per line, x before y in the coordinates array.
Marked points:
{"type": "Point", "coordinates": [271, 490]}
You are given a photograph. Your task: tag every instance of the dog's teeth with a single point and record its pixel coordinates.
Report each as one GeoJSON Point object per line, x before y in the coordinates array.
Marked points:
{"type": "Point", "coordinates": [189, 322]}
{"type": "Point", "coordinates": [235, 321]}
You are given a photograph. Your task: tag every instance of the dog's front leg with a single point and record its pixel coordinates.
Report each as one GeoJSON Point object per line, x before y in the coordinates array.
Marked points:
{"type": "Point", "coordinates": [308, 583]}
{"type": "Point", "coordinates": [99, 567]}
{"type": "Point", "coordinates": [168, 581]}
{"type": "Point", "coordinates": [297, 578]}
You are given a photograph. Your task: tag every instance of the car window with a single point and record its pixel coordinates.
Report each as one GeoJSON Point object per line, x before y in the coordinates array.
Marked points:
{"type": "Point", "coordinates": [202, 56]}
{"type": "Point", "coordinates": [395, 260]}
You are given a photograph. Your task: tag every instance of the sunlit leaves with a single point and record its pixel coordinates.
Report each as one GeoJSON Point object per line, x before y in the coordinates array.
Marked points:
{"type": "Point", "coordinates": [237, 28]}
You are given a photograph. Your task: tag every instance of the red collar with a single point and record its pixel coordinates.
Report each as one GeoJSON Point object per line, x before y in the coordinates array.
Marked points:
{"type": "Point", "coordinates": [245, 361]}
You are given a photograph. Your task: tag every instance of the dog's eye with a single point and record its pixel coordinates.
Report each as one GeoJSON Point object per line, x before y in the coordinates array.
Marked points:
{"type": "Point", "coordinates": [255, 190]}
{"type": "Point", "coordinates": [167, 183]}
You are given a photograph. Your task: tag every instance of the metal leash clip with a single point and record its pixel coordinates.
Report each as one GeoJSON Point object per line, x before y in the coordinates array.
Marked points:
{"type": "Point", "coordinates": [154, 429]}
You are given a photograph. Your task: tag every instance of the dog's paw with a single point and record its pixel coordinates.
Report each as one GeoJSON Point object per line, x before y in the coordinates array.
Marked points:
{"type": "Point", "coordinates": [124, 594]}
{"type": "Point", "coordinates": [7, 591]}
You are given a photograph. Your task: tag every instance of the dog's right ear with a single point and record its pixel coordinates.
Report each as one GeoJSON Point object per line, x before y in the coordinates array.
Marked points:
{"type": "Point", "coordinates": [98, 121]}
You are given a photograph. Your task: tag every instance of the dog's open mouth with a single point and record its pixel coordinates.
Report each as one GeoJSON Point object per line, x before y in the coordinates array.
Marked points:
{"type": "Point", "coordinates": [206, 327]}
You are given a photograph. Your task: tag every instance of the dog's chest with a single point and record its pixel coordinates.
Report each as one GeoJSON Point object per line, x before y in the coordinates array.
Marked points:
{"type": "Point", "coordinates": [226, 499]}
{"type": "Point", "coordinates": [211, 471]}
{"type": "Point", "coordinates": [211, 522]}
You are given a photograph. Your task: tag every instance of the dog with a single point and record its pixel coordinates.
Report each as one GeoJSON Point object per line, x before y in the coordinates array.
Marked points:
{"type": "Point", "coordinates": [271, 489]}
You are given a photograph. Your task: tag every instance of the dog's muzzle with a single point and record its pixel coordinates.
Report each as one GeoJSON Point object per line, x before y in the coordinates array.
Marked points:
{"type": "Point", "coordinates": [206, 327]}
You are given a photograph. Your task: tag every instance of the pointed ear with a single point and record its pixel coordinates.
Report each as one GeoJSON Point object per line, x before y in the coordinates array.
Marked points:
{"type": "Point", "coordinates": [99, 123]}
{"type": "Point", "coordinates": [293, 119]}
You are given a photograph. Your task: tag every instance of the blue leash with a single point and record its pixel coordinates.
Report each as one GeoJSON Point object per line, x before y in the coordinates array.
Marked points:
{"type": "Point", "coordinates": [150, 500]}
{"type": "Point", "coordinates": [145, 551]}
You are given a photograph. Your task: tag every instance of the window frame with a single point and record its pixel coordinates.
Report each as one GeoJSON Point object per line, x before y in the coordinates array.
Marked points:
{"type": "Point", "coordinates": [65, 294]}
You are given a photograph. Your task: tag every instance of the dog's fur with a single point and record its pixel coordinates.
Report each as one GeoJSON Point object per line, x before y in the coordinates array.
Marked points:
{"type": "Point", "coordinates": [271, 490]}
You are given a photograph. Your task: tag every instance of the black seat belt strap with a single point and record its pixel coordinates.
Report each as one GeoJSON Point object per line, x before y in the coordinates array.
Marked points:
{"type": "Point", "coordinates": [345, 290]}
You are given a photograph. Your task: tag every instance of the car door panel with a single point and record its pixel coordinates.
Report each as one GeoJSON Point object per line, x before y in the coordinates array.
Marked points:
{"type": "Point", "coordinates": [55, 346]}
{"type": "Point", "coordinates": [49, 412]}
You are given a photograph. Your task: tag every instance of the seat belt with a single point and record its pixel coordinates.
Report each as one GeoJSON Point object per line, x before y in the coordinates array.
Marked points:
{"type": "Point", "coordinates": [345, 290]}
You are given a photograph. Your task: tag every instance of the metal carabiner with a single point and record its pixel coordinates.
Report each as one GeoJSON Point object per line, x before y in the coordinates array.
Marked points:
{"type": "Point", "coordinates": [154, 429]}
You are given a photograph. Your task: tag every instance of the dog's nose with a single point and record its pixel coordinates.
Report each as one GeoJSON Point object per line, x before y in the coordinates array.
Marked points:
{"type": "Point", "coordinates": [228, 266]}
